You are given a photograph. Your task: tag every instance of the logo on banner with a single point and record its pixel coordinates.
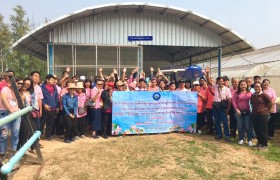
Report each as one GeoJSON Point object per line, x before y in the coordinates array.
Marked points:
{"type": "Point", "coordinates": [156, 96]}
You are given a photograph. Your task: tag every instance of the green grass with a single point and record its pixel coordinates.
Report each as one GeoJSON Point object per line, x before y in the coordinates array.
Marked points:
{"type": "Point", "coordinates": [272, 154]}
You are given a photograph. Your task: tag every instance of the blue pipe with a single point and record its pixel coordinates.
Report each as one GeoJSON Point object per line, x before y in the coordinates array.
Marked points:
{"type": "Point", "coordinates": [7, 168]}
{"type": "Point", "coordinates": [15, 115]}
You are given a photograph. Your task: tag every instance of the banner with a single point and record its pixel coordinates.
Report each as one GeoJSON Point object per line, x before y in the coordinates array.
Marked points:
{"type": "Point", "coordinates": [141, 112]}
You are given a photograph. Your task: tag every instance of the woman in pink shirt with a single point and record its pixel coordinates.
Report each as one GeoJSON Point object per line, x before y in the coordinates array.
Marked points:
{"type": "Point", "coordinates": [9, 105]}
{"type": "Point", "coordinates": [200, 122]}
{"type": "Point", "coordinates": [95, 95]}
{"type": "Point", "coordinates": [241, 100]}
{"type": "Point", "coordinates": [82, 111]}
{"type": "Point", "coordinates": [88, 87]}
{"type": "Point", "coordinates": [273, 116]}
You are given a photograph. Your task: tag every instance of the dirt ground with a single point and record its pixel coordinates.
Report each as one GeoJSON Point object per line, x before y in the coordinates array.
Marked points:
{"type": "Point", "coordinates": [161, 156]}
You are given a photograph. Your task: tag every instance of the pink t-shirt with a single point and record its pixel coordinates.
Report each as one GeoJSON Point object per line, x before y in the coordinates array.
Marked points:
{"type": "Point", "coordinates": [98, 100]}
{"type": "Point", "coordinates": [38, 92]}
{"type": "Point", "coordinates": [210, 97]}
{"type": "Point", "coordinates": [58, 89]}
{"type": "Point", "coordinates": [156, 88]}
{"type": "Point", "coordinates": [272, 95]}
{"type": "Point", "coordinates": [241, 101]}
{"type": "Point", "coordinates": [233, 91]}
{"type": "Point", "coordinates": [200, 103]}
{"type": "Point", "coordinates": [81, 103]}
{"type": "Point", "coordinates": [10, 99]}
{"type": "Point", "coordinates": [221, 94]}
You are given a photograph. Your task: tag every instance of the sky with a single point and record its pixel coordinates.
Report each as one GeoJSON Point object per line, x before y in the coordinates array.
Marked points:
{"type": "Point", "coordinates": [255, 20]}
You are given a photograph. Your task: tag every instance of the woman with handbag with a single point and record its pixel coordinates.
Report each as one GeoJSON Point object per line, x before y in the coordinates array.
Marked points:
{"type": "Point", "coordinates": [241, 105]}
{"type": "Point", "coordinates": [95, 96]}
{"type": "Point", "coordinates": [82, 110]}
{"type": "Point", "coordinates": [70, 107]}
{"type": "Point", "coordinates": [29, 98]}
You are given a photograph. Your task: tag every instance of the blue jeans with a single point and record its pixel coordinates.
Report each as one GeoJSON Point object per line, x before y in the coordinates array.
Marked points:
{"type": "Point", "coordinates": [14, 126]}
{"type": "Point", "coordinates": [220, 116]}
{"type": "Point", "coordinates": [244, 126]}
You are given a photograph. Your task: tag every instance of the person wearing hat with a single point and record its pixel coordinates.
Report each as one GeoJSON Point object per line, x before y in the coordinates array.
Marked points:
{"type": "Point", "coordinates": [82, 110]}
{"type": "Point", "coordinates": [200, 121]}
{"type": "Point", "coordinates": [95, 96]}
{"type": "Point", "coordinates": [107, 109]}
{"type": "Point", "coordinates": [182, 84]}
{"type": "Point", "coordinates": [70, 106]}
{"type": "Point", "coordinates": [120, 86]}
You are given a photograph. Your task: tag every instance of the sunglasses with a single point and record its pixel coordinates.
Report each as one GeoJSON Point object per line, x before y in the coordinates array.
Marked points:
{"type": "Point", "coordinates": [99, 84]}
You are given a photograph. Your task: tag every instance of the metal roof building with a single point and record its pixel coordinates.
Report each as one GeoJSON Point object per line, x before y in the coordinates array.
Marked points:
{"type": "Point", "coordinates": [130, 35]}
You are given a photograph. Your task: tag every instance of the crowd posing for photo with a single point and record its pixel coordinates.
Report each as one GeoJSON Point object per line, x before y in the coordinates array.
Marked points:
{"type": "Point", "coordinates": [70, 107]}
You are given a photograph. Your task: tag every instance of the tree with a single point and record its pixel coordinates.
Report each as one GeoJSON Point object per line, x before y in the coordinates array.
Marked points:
{"type": "Point", "coordinates": [5, 40]}
{"type": "Point", "coordinates": [22, 64]}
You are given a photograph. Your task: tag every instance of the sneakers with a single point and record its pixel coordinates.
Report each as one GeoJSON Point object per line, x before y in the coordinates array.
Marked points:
{"type": "Point", "coordinates": [250, 144]}
{"type": "Point", "coordinates": [82, 136]}
{"type": "Point", "coordinates": [76, 138]}
{"type": "Point", "coordinates": [241, 142]}
{"type": "Point", "coordinates": [67, 141]}
{"type": "Point", "coordinates": [105, 137]}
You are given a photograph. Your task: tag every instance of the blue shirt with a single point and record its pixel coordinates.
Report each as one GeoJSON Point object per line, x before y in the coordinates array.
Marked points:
{"type": "Point", "coordinates": [70, 103]}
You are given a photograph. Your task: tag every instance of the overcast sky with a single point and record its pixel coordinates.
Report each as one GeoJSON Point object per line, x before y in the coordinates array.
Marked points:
{"type": "Point", "coordinates": [255, 20]}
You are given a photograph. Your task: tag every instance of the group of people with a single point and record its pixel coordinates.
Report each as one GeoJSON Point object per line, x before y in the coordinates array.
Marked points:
{"type": "Point", "coordinates": [70, 106]}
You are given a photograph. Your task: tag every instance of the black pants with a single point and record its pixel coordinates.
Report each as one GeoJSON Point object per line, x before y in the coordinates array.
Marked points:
{"type": "Point", "coordinates": [200, 121]}
{"type": "Point", "coordinates": [271, 124]}
{"type": "Point", "coordinates": [82, 121]}
{"type": "Point", "coordinates": [107, 124]}
{"type": "Point", "coordinates": [58, 127]}
{"type": "Point", "coordinates": [233, 122]}
{"type": "Point", "coordinates": [34, 123]}
{"type": "Point", "coordinates": [71, 126]}
{"type": "Point", "coordinates": [48, 119]}
{"type": "Point", "coordinates": [210, 121]}
{"type": "Point", "coordinates": [260, 123]}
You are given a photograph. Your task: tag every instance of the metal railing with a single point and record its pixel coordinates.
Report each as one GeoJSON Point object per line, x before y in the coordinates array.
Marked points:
{"type": "Point", "coordinates": [8, 167]}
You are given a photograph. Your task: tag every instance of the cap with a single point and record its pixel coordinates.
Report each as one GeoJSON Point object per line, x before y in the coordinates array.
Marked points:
{"type": "Point", "coordinates": [110, 84]}
{"type": "Point", "coordinates": [82, 78]}
{"type": "Point", "coordinates": [195, 83]}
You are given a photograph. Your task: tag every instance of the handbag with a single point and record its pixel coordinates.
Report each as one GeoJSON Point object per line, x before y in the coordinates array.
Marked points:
{"type": "Point", "coordinates": [90, 102]}
{"type": "Point", "coordinates": [35, 113]}
{"type": "Point", "coordinates": [81, 110]}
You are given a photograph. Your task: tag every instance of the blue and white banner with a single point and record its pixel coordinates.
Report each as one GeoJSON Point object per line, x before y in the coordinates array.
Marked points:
{"type": "Point", "coordinates": [153, 112]}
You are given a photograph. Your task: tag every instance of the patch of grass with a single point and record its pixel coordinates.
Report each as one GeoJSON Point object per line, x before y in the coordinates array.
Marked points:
{"type": "Point", "coordinates": [211, 147]}
{"type": "Point", "coordinates": [272, 154]}
{"type": "Point", "coordinates": [239, 175]}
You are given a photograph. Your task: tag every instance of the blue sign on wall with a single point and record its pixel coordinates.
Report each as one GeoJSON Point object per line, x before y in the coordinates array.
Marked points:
{"type": "Point", "coordinates": [140, 38]}
{"type": "Point", "coordinates": [137, 112]}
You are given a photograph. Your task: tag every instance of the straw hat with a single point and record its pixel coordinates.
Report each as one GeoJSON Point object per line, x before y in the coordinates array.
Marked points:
{"type": "Point", "coordinates": [120, 83]}
{"type": "Point", "coordinates": [80, 85]}
{"type": "Point", "coordinates": [71, 86]}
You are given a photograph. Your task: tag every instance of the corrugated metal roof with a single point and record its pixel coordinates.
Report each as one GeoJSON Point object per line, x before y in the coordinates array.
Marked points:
{"type": "Point", "coordinates": [34, 43]}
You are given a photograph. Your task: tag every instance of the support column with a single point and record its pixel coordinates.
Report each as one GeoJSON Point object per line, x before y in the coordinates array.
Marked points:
{"type": "Point", "coordinates": [139, 59]}
{"type": "Point", "coordinates": [219, 61]}
{"type": "Point", "coordinates": [190, 61]}
{"type": "Point", "coordinates": [50, 58]}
